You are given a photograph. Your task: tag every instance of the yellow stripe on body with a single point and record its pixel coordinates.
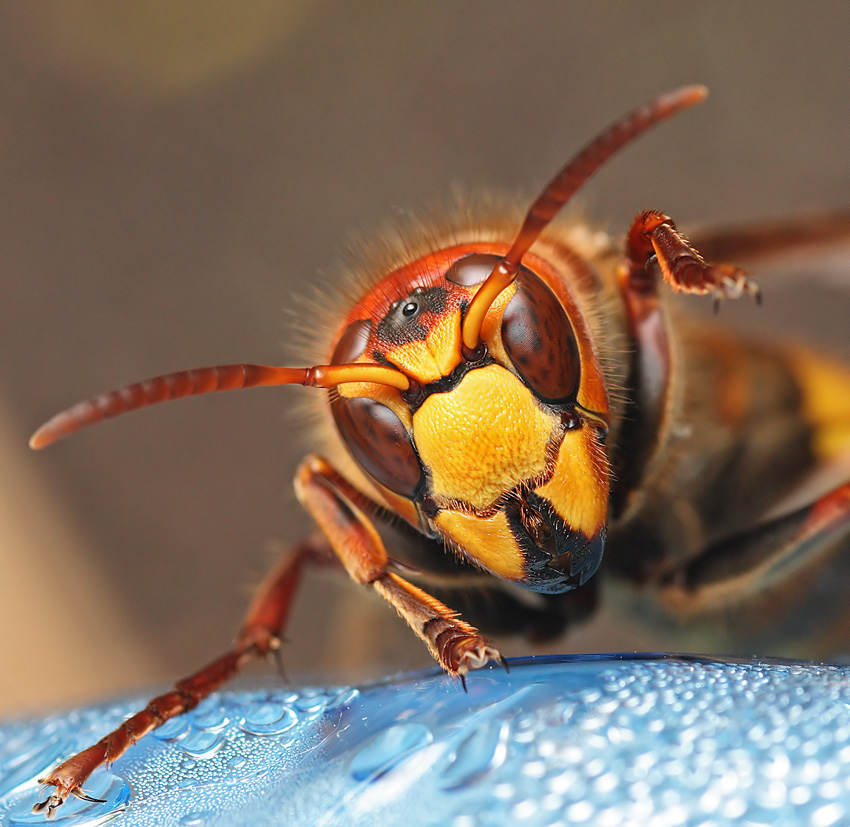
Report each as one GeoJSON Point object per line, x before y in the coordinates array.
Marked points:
{"type": "Point", "coordinates": [825, 386]}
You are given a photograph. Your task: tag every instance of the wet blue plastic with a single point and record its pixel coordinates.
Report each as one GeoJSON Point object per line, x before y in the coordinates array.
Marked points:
{"type": "Point", "coordinates": [583, 740]}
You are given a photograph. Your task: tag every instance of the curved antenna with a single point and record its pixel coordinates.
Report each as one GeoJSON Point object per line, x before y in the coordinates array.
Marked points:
{"type": "Point", "coordinates": [199, 381]}
{"type": "Point", "coordinates": [563, 186]}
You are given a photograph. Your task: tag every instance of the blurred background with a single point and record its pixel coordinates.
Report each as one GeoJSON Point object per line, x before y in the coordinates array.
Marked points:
{"type": "Point", "coordinates": [171, 174]}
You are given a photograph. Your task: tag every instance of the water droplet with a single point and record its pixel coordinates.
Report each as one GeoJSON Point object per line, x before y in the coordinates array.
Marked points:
{"type": "Point", "coordinates": [212, 720]}
{"type": "Point", "coordinates": [388, 748]}
{"type": "Point", "coordinates": [345, 697]}
{"type": "Point", "coordinates": [196, 818]}
{"type": "Point", "coordinates": [268, 719]}
{"type": "Point", "coordinates": [76, 813]}
{"type": "Point", "coordinates": [200, 744]}
{"type": "Point", "coordinates": [480, 751]}
{"type": "Point", "coordinates": [36, 759]}
{"type": "Point", "coordinates": [312, 703]}
{"type": "Point", "coordinates": [237, 761]}
{"type": "Point", "coordinates": [173, 729]}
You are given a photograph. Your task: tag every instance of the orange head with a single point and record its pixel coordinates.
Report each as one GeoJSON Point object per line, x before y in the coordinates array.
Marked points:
{"type": "Point", "coordinates": [496, 449]}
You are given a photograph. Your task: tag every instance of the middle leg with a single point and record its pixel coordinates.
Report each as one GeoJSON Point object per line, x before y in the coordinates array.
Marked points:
{"type": "Point", "coordinates": [761, 558]}
{"type": "Point", "coordinates": [258, 637]}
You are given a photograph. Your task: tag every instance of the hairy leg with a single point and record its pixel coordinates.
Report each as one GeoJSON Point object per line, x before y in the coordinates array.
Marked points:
{"type": "Point", "coordinates": [257, 637]}
{"type": "Point", "coordinates": [352, 540]}
{"type": "Point", "coordinates": [331, 500]}
{"type": "Point", "coordinates": [760, 558]}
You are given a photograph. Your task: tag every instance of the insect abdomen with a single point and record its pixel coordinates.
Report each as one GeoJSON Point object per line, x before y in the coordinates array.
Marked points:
{"type": "Point", "coordinates": [825, 402]}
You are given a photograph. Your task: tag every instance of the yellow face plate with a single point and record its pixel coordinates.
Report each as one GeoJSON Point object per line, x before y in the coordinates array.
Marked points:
{"type": "Point", "coordinates": [488, 541]}
{"type": "Point", "coordinates": [434, 357]}
{"type": "Point", "coordinates": [578, 489]}
{"type": "Point", "coordinates": [482, 438]}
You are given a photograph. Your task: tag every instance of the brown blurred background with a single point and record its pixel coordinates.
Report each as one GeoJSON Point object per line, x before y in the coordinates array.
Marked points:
{"type": "Point", "coordinates": [171, 173]}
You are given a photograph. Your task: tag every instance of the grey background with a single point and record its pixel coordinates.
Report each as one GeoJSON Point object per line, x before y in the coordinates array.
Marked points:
{"type": "Point", "coordinates": [172, 173]}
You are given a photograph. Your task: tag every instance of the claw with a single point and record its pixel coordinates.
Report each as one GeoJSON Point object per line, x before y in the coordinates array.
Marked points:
{"type": "Point", "coordinates": [478, 656]}
{"type": "Point", "coordinates": [278, 659]}
{"type": "Point", "coordinates": [51, 804]}
{"type": "Point", "coordinates": [475, 655]}
{"type": "Point", "coordinates": [59, 796]}
{"type": "Point", "coordinates": [732, 283]}
{"type": "Point", "coordinates": [78, 793]}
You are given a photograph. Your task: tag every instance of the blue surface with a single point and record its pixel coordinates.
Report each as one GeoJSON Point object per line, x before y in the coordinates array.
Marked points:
{"type": "Point", "coordinates": [582, 740]}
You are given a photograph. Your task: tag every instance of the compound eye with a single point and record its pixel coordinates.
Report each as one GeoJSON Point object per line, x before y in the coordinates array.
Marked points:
{"type": "Point", "coordinates": [472, 269]}
{"type": "Point", "coordinates": [540, 341]}
{"type": "Point", "coordinates": [380, 443]}
{"type": "Point", "coordinates": [352, 343]}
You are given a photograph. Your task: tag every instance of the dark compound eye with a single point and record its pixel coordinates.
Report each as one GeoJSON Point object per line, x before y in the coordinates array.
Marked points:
{"type": "Point", "coordinates": [410, 308]}
{"type": "Point", "coordinates": [540, 342]}
{"type": "Point", "coordinates": [471, 269]}
{"type": "Point", "coordinates": [375, 436]}
{"type": "Point", "coordinates": [380, 443]}
{"type": "Point", "coordinates": [352, 343]}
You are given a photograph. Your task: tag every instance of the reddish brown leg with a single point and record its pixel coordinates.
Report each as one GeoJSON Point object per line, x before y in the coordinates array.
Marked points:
{"type": "Point", "coordinates": [653, 235]}
{"type": "Point", "coordinates": [338, 509]}
{"type": "Point", "coordinates": [649, 379]}
{"type": "Point", "coordinates": [258, 636]}
{"type": "Point", "coordinates": [768, 554]}
{"type": "Point", "coordinates": [332, 502]}
{"type": "Point", "coordinates": [683, 268]}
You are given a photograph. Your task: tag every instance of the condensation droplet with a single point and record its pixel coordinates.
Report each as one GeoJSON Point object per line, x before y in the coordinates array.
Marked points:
{"type": "Point", "coordinates": [310, 703]}
{"type": "Point", "coordinates": [388, 748]}
{"type": "Point", "coordinates": [212, 720]}
{"type": "Point", "coordinates": [344, 697]}
{"type": "Point", "coordinates": [480, 751]}
{"type": "Point", "coordinates": [173, 729]}
{"type": "Point", "coordinates": [196, 818]}
{"type": "Point", "coordinates": [200, 744]}
{"type": "Point", "coordinates": [268, 719]}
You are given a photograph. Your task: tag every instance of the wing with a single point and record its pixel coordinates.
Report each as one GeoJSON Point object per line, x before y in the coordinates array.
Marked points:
{"type": "Point", "coordinates": [816, 244]}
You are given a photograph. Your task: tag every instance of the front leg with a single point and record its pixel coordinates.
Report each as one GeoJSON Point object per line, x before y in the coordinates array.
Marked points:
{"type": "Point", "coordinates": [258, 637]}
{"type": "Point", "coordinates": [654, 235]}
{"type": "Point", "coordinates": [333, 503]}
{"type": "Point", "coordinates": [338, 508]}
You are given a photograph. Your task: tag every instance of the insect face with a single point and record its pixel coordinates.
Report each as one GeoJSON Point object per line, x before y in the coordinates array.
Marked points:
{"type": "Point", "coordinates": [498, 449]}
